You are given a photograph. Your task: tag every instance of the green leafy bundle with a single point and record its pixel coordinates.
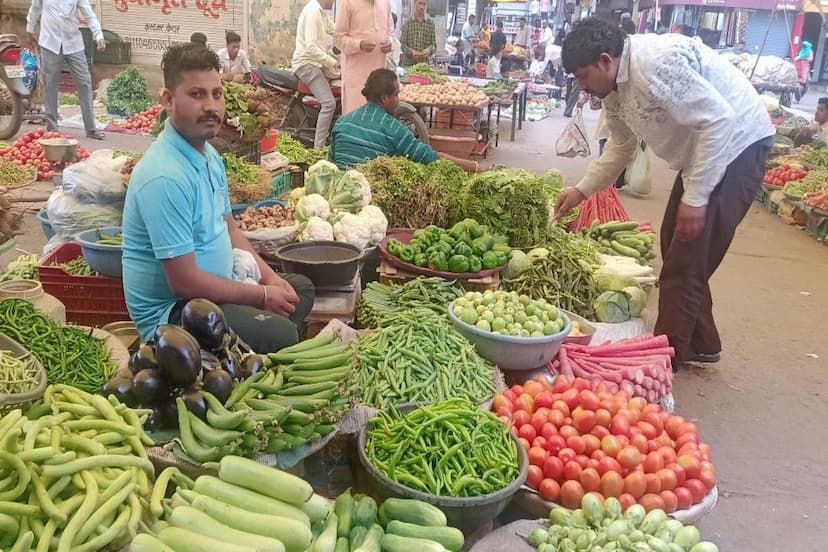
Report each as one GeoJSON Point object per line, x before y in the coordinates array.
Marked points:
{"type": "Point", "coordinates": [127, 93]}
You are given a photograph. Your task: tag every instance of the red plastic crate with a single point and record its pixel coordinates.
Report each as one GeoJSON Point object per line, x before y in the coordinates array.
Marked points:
{"type": "Point", "coordinates": [89, 300]}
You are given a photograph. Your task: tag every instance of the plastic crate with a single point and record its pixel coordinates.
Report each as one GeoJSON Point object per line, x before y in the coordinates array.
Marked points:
{"type": "Point", "coordinates": [817, 226]}
{"type": "Point", "coordinates": [281, 183]}
{"type": "Point", "coordinates": [762, 195]}
{"type": "Point", "coordinates": [89, 300]}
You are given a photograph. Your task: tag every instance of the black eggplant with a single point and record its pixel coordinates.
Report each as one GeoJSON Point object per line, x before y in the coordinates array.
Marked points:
{"type": "Point", "coordinates": [209, 361]}
{"type": "Point", "coordinates": [205, 321]}
{"type": "Point", "coordinates": [252, 364]}
{"type": "Point", "coordinates": [169, 413]}
{"type": "Point", "coordinates": [143, 358]}
{"type": "Point", "coordinates": [149, 386]}
{"type": "Point", "coordinates": [194, 400]}
{"type": "Point", "coordinates": [230, 366]}
{"type": "Point", "coordinates": [156, 417]}
{"type": "Point", "coordinates": [178, 354]}
{"type": "Point", "coordinates": [218, 383]}
{"type": "Point", "coordinates": [121, 387]}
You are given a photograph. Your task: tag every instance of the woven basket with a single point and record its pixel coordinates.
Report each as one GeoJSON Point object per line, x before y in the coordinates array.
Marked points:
{"type": "Point", "coordinates": [21, 400]}
{"type": "Point", "coordinates": [229, 134]}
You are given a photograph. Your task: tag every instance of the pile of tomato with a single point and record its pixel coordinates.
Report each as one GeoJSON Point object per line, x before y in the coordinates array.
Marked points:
{"type": "Point", "coordinates": [783, 174]}
{"type": "Point", "coordinates": [581, 439]}
{"type": "Point", "coordinates": [26, 152]}
{"type": "Point", "coordinates": [145, 120]}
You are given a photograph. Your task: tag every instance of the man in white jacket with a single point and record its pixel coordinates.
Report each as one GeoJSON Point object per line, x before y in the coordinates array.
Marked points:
{"type": "Point", "coordinates": [313, 58]}
{"type": "Point", "coordinates": [701, 115]}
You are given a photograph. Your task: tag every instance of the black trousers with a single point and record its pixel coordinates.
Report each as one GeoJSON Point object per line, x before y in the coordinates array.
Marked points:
{"type": "Point", "coordinates": [573, 90]}
{"type": "Point", "coordinates": [685, 306]}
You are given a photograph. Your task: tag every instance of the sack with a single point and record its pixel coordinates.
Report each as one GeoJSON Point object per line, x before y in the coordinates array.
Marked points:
{"type": "Point", "coordinates": [573, 139]}
{"type": "Point", "coordinates": [96, 180]}
{"type": "Point", "coordinates": [637, 178]}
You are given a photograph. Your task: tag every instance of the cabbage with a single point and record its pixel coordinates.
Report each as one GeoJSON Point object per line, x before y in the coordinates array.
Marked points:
{"type": "Point", "coordinates": [612, 307]}
{"type": "Point", "coordinates": [606, 280]}
{"type": "Point", "coordinates": [319, 177]}
{"type": "Point", "coordinates": [538, 253]}
{"type": "Point", "coordinates": [638, 300]}
{"type": "Point", "coordinates": [519, 263]}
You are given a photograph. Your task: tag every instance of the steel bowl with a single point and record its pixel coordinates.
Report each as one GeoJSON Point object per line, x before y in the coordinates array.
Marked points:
{"type": "Point", "coordinates": [59, 150]}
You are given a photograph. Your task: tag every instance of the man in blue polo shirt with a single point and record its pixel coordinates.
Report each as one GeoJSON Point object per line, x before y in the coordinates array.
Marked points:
{"type": "Point", "coordinates": [179, 233]}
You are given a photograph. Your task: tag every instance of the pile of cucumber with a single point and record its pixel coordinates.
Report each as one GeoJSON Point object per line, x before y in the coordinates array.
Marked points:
{"type": "Point", "coordinates": [253, 508]}
{"type": "Point", "coordinates": [623, 239]}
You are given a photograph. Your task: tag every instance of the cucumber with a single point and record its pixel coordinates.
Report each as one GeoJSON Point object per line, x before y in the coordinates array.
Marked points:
{"type": "Point", "coordinates": [365, 512]}
{"type": "Point", "coordinates": [344, 510]}
{"type": "Point", "coordinates": [373, 540]}
{"type": "Point", "coordinates": [309, 389]}
{"type": "Point", "coordinates": [269, 481]}
{"type": "Point", "coordinates": [300, 403]}
{"type": "Point", "coordinates": [326, 542]}
{"type": "Point", "coordinates": [293, 534]}
{"type": "Point", "coordinates": [247, 499]}
{"type": "Point", "coordinates": [317, 508]}
{"type": "Point", "coordinates": [449, 537]}
{"type": "Point", "coordinates": [190, 519]}
{"type": "Point", "coordinates": [146, 543]}
{"type": "Point", "coordinates": [396, 543]}
{"type": "Point", "coordinates": [182, 540]}
{"type": "Point", "coordinates": [624, 250]}
{"type": "Point", "coordinates": [412, 511]}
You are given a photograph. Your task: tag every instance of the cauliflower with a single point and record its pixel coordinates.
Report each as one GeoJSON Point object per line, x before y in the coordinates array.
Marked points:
{"type": "Point", "coordinates": [316, 229]}
{"type": "Point", "coordinates": [377, 222]}
{"type": "Point", "coordinates": [313, 205]}
{"type": "Point", "coordinates": [295, 195]}
{"type": "Point", "coordinates": [364, 185]}
{"type": "Point", "coordinates": [353, 229]}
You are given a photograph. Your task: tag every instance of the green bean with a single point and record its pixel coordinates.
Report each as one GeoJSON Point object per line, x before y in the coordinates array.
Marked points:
{"type": "Point", "coordinates": [17, 375]}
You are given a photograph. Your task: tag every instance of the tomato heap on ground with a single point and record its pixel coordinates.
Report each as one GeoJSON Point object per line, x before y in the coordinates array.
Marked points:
{"type": "Point", "coordinates": [583, 439]}
{"type": "Point", "coordinates": [145, 120]}
{"type": "Point", "coordinates": [783, 174]}
{"type": "Point", "coordinates": [26, 152]}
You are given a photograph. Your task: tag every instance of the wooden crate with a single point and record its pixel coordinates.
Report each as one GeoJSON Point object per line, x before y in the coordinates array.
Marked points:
{"type": "Point", "coordinates": [391, 274]}
{"type": "Point", "coordinates": [332, 304]}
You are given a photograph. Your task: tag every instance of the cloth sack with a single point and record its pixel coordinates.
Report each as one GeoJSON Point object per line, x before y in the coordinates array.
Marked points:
{"type": "Point", "coordinates": [573, 140]}
{"type": "Point", "coordinates": [637, 178]}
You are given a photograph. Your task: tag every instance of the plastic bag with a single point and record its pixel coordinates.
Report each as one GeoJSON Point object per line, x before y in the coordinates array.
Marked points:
{"type": "Point", "coordinates": [68, 216]}
{"type": "Point", "coordinates": [267, 240]}
{"type": "Point", "coordinates": [637, 177]}
{"type": "Point", "coordinates": [30, 68]}
{"type": "Point", "coordinates": [96, 179]}
{"type": "Point", "coordinates": [573, 139]}
{"type": "Point", "coordinates": [245, 267]}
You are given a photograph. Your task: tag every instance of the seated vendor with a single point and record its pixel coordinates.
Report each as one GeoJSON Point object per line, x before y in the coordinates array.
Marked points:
{"type": "Point", "coordinates": [818, 130]}
{"type": "Point", "coordinates": [372, 130]}
{"type": "Point", "coordinates": [180, 238]}
{"type": "Point", "coordinates": [232, 59]}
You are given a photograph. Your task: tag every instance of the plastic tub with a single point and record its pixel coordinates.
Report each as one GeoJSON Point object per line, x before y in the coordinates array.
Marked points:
{"type": "Point", "coordinates": [326, 263]}
{"type": "Point", "coordinates": [8, 402]}
{"type": "Point", "coordinates": [103, 259]}
{"type": "Point", "coordinates": [464, 513]}
{"type": "Point", "coordinates": [43, 219]}
{"type": "Point", "coordinates": [511, 352]}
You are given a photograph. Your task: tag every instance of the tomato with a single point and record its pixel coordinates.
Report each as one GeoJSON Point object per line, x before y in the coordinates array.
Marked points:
{"type": "Point", "coordinates": [602, 417]}
{"type": "Point", "coordinates": [611, 445]}
{"type": "Point", "coordinates": [544, 400]}
{"type": "Point", "coordinates": [571, 398]}
{"type": "Point", "coordinates": [583, 420]}
{"type": "Point", "coordinates": [517, 390]}
{"type": "Point", "coordinates": [572, 470]}
{"type": "Point", "coordinates": [538, 419]}
{"type": "Point", "coordinates": [600, 431]}
{"type": "Point", "coordinates": [697, 489]}
{"type": "Point", "coordinates": [504, 412]}
{"type": "Point", "coordinates": [681, 475]}
{"type": "Point", "coordinates": [648, 430]}
{"type": "Point", "coordinates": [524, 443]}
{"type": "Point", "coordinates": [563, 408]}
{"type": "Point", "coordinates": [501, 401]}
{"type": "Point", "coordinates": [668, 455]}
{"type": "Point", "coordinates": [619, 425]}
{"type": "Point", "coordinates": [507, 421]}
{"type": "Point", "coordinates": [580, 384]}
{"type": "Point", "coordinates": [572, 492]}
{"type": "Point", "coordinates": [553, 467]}
{"type": "Point", "coordinates": [684, 498]}
{"type": "Point", "coordinates": [534, 477]}
{"type": "Point", "coordinates": [668, 479]}
{"type": "Point", "coordinates": [555, 443]}
{"type": "Point", "coordinates": [527, 432]}
{"type": "Point", "coordinates": [510, 395]}
{"type": "Point", "coordinates": [629, 457]}
{"type": "Point", "coordinates": [533, 388]}
{"type": "Point", "coordinates": [687, 439]}
{"type": "Point", "coordinates": [521, 418]}
{"type": "Point", "coordinates": [653, 462]}
{"type": "Point", "coordinates": [549, 490]}
{"type": "Point", "coordinates": [612, 484]}
{"type": "Point", "coordinates": [589, 400]}
{"type": "Point", "coordinates": [652, 482]}
{"type": "Point", "coordinates": [598, 455]}
{"type": "Point", "coordinates": [537, 456]}
{"type": "Point", "coordinates": [591, 444]}
{"type": "Point", "coordinates": [708, 478]}
{"type": "Point", "coordinates": [691, 465]}
{"type": "Point", "coordinates": [583, 460]}
{"type": "Point", "coordinates": [626, 501]}
{"type": "Point", "coordinates": [548, 430]}
{"type": "Point", "coordinates": [673, 424]}
{"type": "Point", "coordinates": [640, 442]}
{"type": "Point", "coordinates": [525, 402]}
{"type": "Point", "coordinates": [555, 417]}
{"type": "Point", "coordinates": [635, 484]}
{"type": "Point", "coordinates": [561, 384]}
{"type": "Point", "coordinates": [651, 502]}
{"type": "Point", "coordinates": [568, 431]}
{"type": "Point", "coordinates": [608, 464]}
{"type": "Point", "coordinates": [567, 455]}
{"type": "Point", "coordinates": [576, 443]}
{"type": "Point", "coordinates": [590, 480]}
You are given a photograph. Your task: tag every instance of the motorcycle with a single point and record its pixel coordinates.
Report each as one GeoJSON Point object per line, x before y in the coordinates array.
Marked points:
{"type": "Point", "coordinates": [303, 109]}
{"type": "Point", "coordinates": [16, 104]}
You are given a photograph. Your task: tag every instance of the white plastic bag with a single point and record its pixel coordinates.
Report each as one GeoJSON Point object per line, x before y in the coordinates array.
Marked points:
{"type": "Point", "coordinates": [68, 215]}
{"type": "Point", "coordinates": [268, 240]}
{"type": "Point", "coordinates": [245, 268]}
{"type": "Point", "coordinates": [96, 179]}
{"type": "Point", "coordinates": [573, 140]}
{"type": "Point", "coordinates": [637, 177]}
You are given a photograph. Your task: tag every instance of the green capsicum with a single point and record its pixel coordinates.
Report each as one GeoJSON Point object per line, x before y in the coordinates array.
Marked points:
{"type": "Point", "coordinates": [475, 264]}
{"type": "Point", "coordinates": [438, 262]}
{"type": "Point", "coordinates": [444, 247]}
{"type": "Point", "coordinates": [407, 254]}
{"type": "Point", "coordinates": [458, 263]}
{"type": "Point", "coordinates": [473, 228]}
{"type": "Point", "coordinates": [482, 244]}
{"type": "Point", "coordinates": [421, 259]}
{"type": "Point", "coordinates": [464, 249]}
{"type": "Point", "coordinates": [447, 239]}
{"type": "Point", "coordinates": [502, 247]}
{"type": "Point", "coordinates": [457, 229]}
{"type": "Point", "coordinates": [420, 234]}
{"type": "Point", "coordinates": [489, 260]}
{"type": "Point", "coordinates": [502, 258]}
{"type": "Point", "coordinates": [394, 247]}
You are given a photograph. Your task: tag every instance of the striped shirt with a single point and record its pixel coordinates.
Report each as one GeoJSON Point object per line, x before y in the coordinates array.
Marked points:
{"type": "Point", "coordinates": [370, 132]}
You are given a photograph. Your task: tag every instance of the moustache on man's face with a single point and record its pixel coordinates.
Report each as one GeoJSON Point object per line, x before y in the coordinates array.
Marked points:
{"type": "Point", "coordinates": [210, 117]}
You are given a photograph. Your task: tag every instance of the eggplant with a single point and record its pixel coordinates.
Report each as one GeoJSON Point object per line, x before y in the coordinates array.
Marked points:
{"type": "Point", "coordinates": [230, 366]}
{"type": "Point", "coordinates": [178, 355]}
{"type": "Point", "coordinates": [143, 358]}
{"type": "Point", "coordinates": [156, 417]}
{"type": "Point", "coordinates": [169, 413]}
{"type": "Point", "coordinates": [219, 383]}
{"type": "Point", "coordinates": [252, 364]}
{"type": "Point", "coordinates": [149, 385]}
{"type": "Point", "coordinates": [194, 400]}
{"type": "Point", "coordinates": [209, 361]}
{"type": "Point", "coordinates": [121, 387]}
{"type": "Point", "coordinates": [206, 323]}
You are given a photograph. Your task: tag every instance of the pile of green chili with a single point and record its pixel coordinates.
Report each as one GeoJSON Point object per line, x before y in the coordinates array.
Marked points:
{"type": "Point", "coordinates": [418, 357]}
{"type": "Point", "coordinates": [452, 448]}
{"type": "Point", "coordinates": [70, 355]}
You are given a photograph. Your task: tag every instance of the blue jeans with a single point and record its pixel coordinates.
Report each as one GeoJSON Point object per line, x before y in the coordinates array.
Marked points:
{"type": "Point", "coordinates": [619, 182]}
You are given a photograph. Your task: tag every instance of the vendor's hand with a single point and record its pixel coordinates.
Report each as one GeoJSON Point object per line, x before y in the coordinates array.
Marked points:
{"type": "Point", "coordinates": [568, 200]}
{"type": "Point", "coordinates": [101, 45]}
{"type": "Point", "coordinates": [689, 221]}
{"type": "Point", "coordinates": [386, 47]}
{"type": "Point", "coordinates": [275, 280]}
{"type": "Point", "coordinates": [32, 41]}
{"type": "Point", "coordinates": [279, 300]}
{"type": "Point", "coordinates": [367, 46]}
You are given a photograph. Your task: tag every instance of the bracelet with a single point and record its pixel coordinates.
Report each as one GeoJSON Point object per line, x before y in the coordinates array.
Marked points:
{"type": "Point", "coordinates": [264, 296]}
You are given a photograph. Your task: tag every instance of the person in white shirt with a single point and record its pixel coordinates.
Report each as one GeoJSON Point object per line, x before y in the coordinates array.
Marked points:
{"type": "Point", "coordinates": [547, 37]}
{"type": "Point", "coordinates": [313, 61]}
{"type": "Point", "coordinates": [393, 57]}
{"type": "Point", "coordinates": [522, 37]}
{"type": "Point", "coordinates": [232, 59]}
{"type": "Point", "coordinates": [61, 42]}
{"type": "Point", "coordinates": [468, 34]}
{"type": "Point", "coordinates": [701, 115]}
{"type": "Point", "coordinates": [493, 67]}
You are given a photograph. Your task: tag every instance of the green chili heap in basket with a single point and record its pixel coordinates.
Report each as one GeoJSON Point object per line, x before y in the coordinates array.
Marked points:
{"type": "Point", "coordinates": [451, 448]}
{"type": "Point", "coordinates": [69, 354]}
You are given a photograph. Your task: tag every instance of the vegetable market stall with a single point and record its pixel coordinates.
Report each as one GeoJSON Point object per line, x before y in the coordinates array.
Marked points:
{"type": "Point", "coordinates": [503, 93]}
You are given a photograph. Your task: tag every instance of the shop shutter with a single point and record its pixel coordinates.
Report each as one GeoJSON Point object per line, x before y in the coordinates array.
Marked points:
{"type": "Point", "coordinates": [779, 37]}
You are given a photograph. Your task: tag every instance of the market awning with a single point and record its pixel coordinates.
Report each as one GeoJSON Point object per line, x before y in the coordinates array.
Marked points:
{"type": "Point", "coordinates": [790, 5]}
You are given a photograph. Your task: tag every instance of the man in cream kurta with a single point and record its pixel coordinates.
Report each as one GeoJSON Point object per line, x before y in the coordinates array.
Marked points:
{"type": "Point", "coordinates": [363, 35]}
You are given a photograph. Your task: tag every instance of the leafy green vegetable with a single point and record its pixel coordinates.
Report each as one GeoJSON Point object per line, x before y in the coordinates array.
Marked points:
{"type": "Point", "coordinates": [612, 307]}
{"type": "Point", "coordinates": [127, 93]}
{"type": "Point", "coordinates": [296, 152]}
{"type": "Point", "coordinates": [246, 182]}
{"type": "Point", "coordinates": [425, 70]}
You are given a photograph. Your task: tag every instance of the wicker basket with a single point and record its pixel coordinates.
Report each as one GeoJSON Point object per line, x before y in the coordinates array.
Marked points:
{"type": "Point", "coordinates": [229, 134]}
{"type": "Point", "coordinates": [20, 400]}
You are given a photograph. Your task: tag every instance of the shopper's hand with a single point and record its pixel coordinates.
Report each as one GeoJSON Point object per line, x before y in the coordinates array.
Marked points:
{"type": "Point", "coordinates": [279, 301]}
{"type": "Point", "coordinates": [689, 222]}
{"type": "Point", "coordinates": [385, 47]}
{"type": "Point", "coordinates": [367, 46]}
{"type": "Point", "coordinates": [32, 41]}
{"type": "Point", "coordinates": [569, 199]}
{"type": "Point", "coordinates": [101, 45]}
